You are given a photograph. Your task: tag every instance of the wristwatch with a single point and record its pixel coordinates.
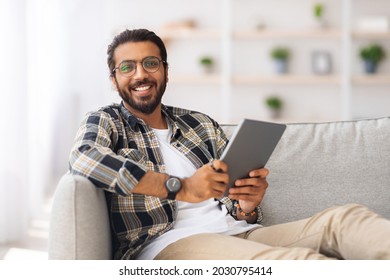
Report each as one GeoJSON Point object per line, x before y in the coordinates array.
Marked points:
{"type": "Point", "coordinates": [173, 185]}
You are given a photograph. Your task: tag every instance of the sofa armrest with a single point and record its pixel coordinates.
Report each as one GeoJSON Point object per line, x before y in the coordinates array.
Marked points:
{"type": "Point", "coordinates": [79, 221]}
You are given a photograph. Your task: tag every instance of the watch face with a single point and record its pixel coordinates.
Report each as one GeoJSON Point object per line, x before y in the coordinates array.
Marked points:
{"type": "Point", "coordinates": [173, 184]}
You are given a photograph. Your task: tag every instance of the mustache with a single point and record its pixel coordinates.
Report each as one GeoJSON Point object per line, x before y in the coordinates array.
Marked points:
{"type": "Point", "coordinates": [141, 83]}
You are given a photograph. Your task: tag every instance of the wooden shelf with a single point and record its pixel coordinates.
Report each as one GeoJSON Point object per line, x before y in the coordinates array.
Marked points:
{"type": "Point", "coordinates": [371, 35]}
{"type": "Point", "coordinates": [185, 33]}
{"type": "Point", "coordinates": [281, 34]}
{"type": "Point", "coordinates": [300, 120]}
{"type": "Point", "coordinates": [373, 79]}
{"type": "Point", "coordinates": [209, 79]}
{"type": "Point", "coordinates": [287, 80]}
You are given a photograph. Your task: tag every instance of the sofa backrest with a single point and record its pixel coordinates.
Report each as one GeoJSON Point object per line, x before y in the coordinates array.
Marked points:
{"type": "Point", "coordinates": [316, 166]}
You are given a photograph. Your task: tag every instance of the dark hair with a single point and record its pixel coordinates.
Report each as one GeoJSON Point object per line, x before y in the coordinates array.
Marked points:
{"type": "Point", "coordinates": [135, 35]}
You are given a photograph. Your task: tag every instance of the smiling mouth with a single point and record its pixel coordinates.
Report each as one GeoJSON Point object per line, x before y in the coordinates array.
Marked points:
{"type": "Point", "coordinates": [142, 88]}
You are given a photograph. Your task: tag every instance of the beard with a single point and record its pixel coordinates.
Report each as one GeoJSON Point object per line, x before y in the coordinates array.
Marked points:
{"type": "Point", "coordinates": [147, 104]}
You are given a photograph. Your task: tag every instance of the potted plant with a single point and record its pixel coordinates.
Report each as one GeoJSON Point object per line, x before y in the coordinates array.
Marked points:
{"type": "Point", "coordinates": [318, 12]}
{"type": "Point", "coordinates": [372, 55]}
{"type": "Point", "coordinates": [281, 56]}
{"type": "Point", "coordinates": [207, 62]}
{"type": "Point", "coordinates": [275, 105]}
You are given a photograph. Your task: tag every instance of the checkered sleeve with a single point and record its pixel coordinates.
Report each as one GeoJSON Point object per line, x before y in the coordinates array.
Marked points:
{"type": "Point", "coordinates": [93, 156]}
{"type": "Point", "coordinates": [221, 140]}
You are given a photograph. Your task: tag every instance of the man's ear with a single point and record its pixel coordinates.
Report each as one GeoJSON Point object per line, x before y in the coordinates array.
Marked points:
{"type": "Point", "coordinates": [166, 74]}
{"type": "Point", "coordinates": [113, 81]}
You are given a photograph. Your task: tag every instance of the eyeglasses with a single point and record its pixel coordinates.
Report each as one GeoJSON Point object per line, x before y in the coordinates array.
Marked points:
{"type": "Point", "coordinates": [150, 64]}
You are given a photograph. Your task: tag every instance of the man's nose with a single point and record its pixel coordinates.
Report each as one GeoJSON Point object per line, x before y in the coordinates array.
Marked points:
{"type": "Point", "coordinates": [140, 72]}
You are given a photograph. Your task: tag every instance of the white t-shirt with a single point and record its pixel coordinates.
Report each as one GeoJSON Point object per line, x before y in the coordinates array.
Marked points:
{"type": "Point", "coordinates": [191, 217]}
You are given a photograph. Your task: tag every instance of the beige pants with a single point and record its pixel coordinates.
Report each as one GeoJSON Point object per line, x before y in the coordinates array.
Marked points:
{"type": "Point", "coordinates": [347, 232]}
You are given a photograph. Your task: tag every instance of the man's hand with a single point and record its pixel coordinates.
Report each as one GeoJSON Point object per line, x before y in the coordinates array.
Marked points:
{"type": "Point", "coordinates": [206, 183]}
{"type": "Point", "coordinates": [250, 191]}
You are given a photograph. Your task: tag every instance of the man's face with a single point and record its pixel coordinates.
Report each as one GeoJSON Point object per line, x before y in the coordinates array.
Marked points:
{"type": "Point", "coordinates": [142, 92]}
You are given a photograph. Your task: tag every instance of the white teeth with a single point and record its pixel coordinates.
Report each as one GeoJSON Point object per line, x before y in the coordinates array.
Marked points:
{"type": "Point", "coordinates": [142, 88]}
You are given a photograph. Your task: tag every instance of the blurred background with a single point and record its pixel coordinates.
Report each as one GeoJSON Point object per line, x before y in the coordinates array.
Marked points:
{"type": "Point", "coordinates": [281, 60]}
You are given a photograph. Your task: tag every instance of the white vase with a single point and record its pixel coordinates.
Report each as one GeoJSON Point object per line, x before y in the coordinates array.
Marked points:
{"type": "Point", "coordinates": [320, 23]}
{"type": "Point", "coordinates": [281, 66]}
{"type": "Point", "coordinates": [274, 113]}
{"type": "Point", "coordinates": [207, 69]}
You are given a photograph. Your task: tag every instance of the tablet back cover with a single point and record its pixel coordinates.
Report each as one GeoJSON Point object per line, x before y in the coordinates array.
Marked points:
{"type": "Point", "coordinates": [250, 147]}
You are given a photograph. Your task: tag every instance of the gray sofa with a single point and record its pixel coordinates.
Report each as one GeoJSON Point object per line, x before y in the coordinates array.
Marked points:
{"type": "Point", "coordinates": [314, 166]}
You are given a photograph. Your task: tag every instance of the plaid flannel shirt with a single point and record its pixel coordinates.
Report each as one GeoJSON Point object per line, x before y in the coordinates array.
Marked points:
{"type": "Point", "coordinates": [114, 150]}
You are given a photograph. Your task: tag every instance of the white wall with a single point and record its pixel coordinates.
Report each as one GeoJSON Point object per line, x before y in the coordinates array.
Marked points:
{"type": "Point", "coordinates": [91, 24]}
{"type": "Point", "coordinates": [13, 122]}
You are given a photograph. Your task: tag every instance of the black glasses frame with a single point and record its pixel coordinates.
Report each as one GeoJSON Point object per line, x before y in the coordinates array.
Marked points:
{"type": "Point", "coordinates": [136, 65]}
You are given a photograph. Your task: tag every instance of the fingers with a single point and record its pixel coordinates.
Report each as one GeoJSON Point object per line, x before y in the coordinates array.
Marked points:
{"type": "Point", "coordinates": [208, 181]}
{"type": "Point", "coordinates": [218, 177]}
{"type": "Point", "coordinates": [259, 182]}
{"type": "Point", "coordinates": [218, 190]}
{"type": "Point", "coordinates": [219, 166]}
{"type": "Point", "coordinates": [262, 173]}
{"type": "Point", "coordinates": [211, 181]}
{"type": "Point", "coordinates": [215, 172]}
{"type": "Point", "coordinates": [257, 178]}
{"type": "Point", "coordinates": [199, 188]}
{"type": "Point", "coordinates": [251, 189]}
{"type": "Point", "coordinates": [247, 191]}
{"type": "Point", "coordinates": [250, 193]}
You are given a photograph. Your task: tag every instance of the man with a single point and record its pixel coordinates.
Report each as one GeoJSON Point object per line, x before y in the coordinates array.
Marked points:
{"type": "Point", "coordinates": [164, 183]}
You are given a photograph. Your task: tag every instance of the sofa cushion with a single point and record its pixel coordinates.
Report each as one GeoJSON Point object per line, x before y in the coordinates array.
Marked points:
{"type": "Point", "coordinates": [319, 165]}
{"type": "Point", "coordinates": [79, 223]}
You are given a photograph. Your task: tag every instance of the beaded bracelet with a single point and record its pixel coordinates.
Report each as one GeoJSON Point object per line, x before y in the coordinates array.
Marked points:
{"type": "Point", "coordinates": [242, 213]}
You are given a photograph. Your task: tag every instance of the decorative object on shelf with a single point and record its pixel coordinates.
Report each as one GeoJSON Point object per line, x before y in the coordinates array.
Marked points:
{"type": "Point", "coordinates": [275, 105]}
{"type": "Point", "coordinates": [372, 55]}
{"type": "Point", "coordinates": [261, 25]}
{"type": "Point", "coordinates": [373, 24]}
{"type": "Point", "coordinates": [174, 28]}
{"type": "Point", "coordinates": [281, 56]}
{"type": "Point", "coordinates": [180, 24]}
{"type": "Point", "coordinates": [318, 12]}
{"type": "Point", "coordinates": [321, 63]}
{"type": "Point", "coordinates": [207, 63]}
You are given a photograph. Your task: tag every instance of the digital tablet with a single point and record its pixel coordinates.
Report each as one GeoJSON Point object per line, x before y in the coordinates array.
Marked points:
{"type": "Point", "coordinates": [250, 147]}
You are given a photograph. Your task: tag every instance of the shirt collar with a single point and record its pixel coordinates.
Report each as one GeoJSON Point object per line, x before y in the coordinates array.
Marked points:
{"type": "Point", "coordinates": [133, 120]}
